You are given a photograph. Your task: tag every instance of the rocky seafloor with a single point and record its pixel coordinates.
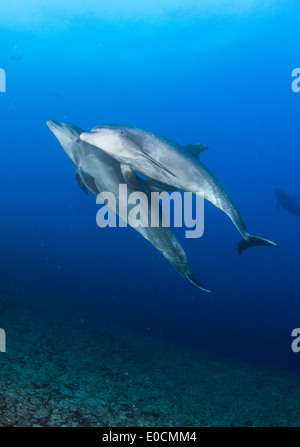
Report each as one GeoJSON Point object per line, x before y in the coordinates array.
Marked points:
{"type": "Point", "coordinates": [59, 370]}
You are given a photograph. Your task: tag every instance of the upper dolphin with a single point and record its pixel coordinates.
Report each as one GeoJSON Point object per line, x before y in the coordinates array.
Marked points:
{"type": "Point", "coordinates": [288, 202]}
{"type": "Point", "coordinates": [163, 160]}
{"type": "Point", "coordinates": [98, 172]}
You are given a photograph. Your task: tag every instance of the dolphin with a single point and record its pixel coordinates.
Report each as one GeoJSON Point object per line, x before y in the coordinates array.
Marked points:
{"type": "Point", "coordinates": [288, 202]}
{"type": "Point", "coordinates": [165, 161]}
{"type": "Point", "coordinates": [96, 171]}
{"type": "Point", "coordinates": [16, 58]}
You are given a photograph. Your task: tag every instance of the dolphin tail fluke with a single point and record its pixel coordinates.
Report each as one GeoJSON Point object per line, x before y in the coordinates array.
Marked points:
{"type": "Point", "coordinates": [191, 277]}
{"type": "Point", "coordinates": [252, 241]}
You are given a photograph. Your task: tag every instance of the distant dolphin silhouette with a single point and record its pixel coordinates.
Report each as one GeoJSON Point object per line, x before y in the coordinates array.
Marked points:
{"type": "Point", "coordinates": [98, 172]}
{"type": "Point", "coordinates": [16, 58]}
{"type": "Point", "coordinates": [288, 202]}
{"type": "Point", "coordinates": [165, 161]}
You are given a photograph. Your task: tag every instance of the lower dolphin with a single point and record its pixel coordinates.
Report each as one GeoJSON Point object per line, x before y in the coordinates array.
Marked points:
{"type": "Point", "coordinates": [98, 172]}
{"type": "Point", "coordinates": [165, 161]}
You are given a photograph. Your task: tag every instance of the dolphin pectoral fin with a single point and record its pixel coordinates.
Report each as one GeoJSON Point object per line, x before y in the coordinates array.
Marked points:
{"type": "Point", "coordinates": [191, 277]}
{"type": "Point", "coordinates": [80, 182]}
{"type": "Point", "coordinates": [90, 182]}
{"type": "Point", "coordinates": [159, 187]}
{"type": "Point", "coordinates": [156, 163]}
{"type": "Point", "coordinates": [252, 241]}
{"type": "Point", "coordinates": [130, 177]}
{"type": "Point", "coordinates": [195, 149]}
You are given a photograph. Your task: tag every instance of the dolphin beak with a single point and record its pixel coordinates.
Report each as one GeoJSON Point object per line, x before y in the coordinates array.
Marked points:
{"type": "Point", "coordinates": [54, 125]}
{"type": "Point", "coordinates": [84, 136]}
{"type": "Point", "coordinates": [56, 128]}
{"type": "Point", "coordinates": [89, 137]}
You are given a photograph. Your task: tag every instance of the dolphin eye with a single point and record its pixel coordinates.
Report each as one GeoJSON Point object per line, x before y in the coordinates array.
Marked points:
{"type": "Point", "coordinates": [123, 132]}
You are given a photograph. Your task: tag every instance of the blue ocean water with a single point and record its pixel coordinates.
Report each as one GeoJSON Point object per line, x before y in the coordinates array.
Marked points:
{"type": "Point", "coordinates": [214, 72]}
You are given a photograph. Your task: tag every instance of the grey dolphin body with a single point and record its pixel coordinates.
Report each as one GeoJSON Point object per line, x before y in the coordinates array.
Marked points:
{"type": "Point", "coordinates": [98, 172]}
{"type": "Point", "coordinates": [288, 202]}
{"type": "Point", "coordinates": [167, 162]}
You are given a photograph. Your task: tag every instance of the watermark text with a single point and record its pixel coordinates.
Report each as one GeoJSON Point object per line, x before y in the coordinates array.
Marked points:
{"type": "Point", "coordinates": [296, 342]}
{"type": "Point", "coordinates": [2, 81]}
{"type": "Point", "coordinates": [139, 209]}
{"type": "Point", "coordinates": [2, 340]}
{"type": "Point", "coordinates": [296, 82]}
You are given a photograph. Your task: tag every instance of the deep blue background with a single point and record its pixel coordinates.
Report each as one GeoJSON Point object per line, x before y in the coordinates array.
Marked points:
{"type": "Point", "coordinates": [212, 75]}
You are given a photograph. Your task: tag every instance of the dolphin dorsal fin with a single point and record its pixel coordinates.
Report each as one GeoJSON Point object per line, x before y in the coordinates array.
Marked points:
{"type": "Point", "coordinates": [195, 149]}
